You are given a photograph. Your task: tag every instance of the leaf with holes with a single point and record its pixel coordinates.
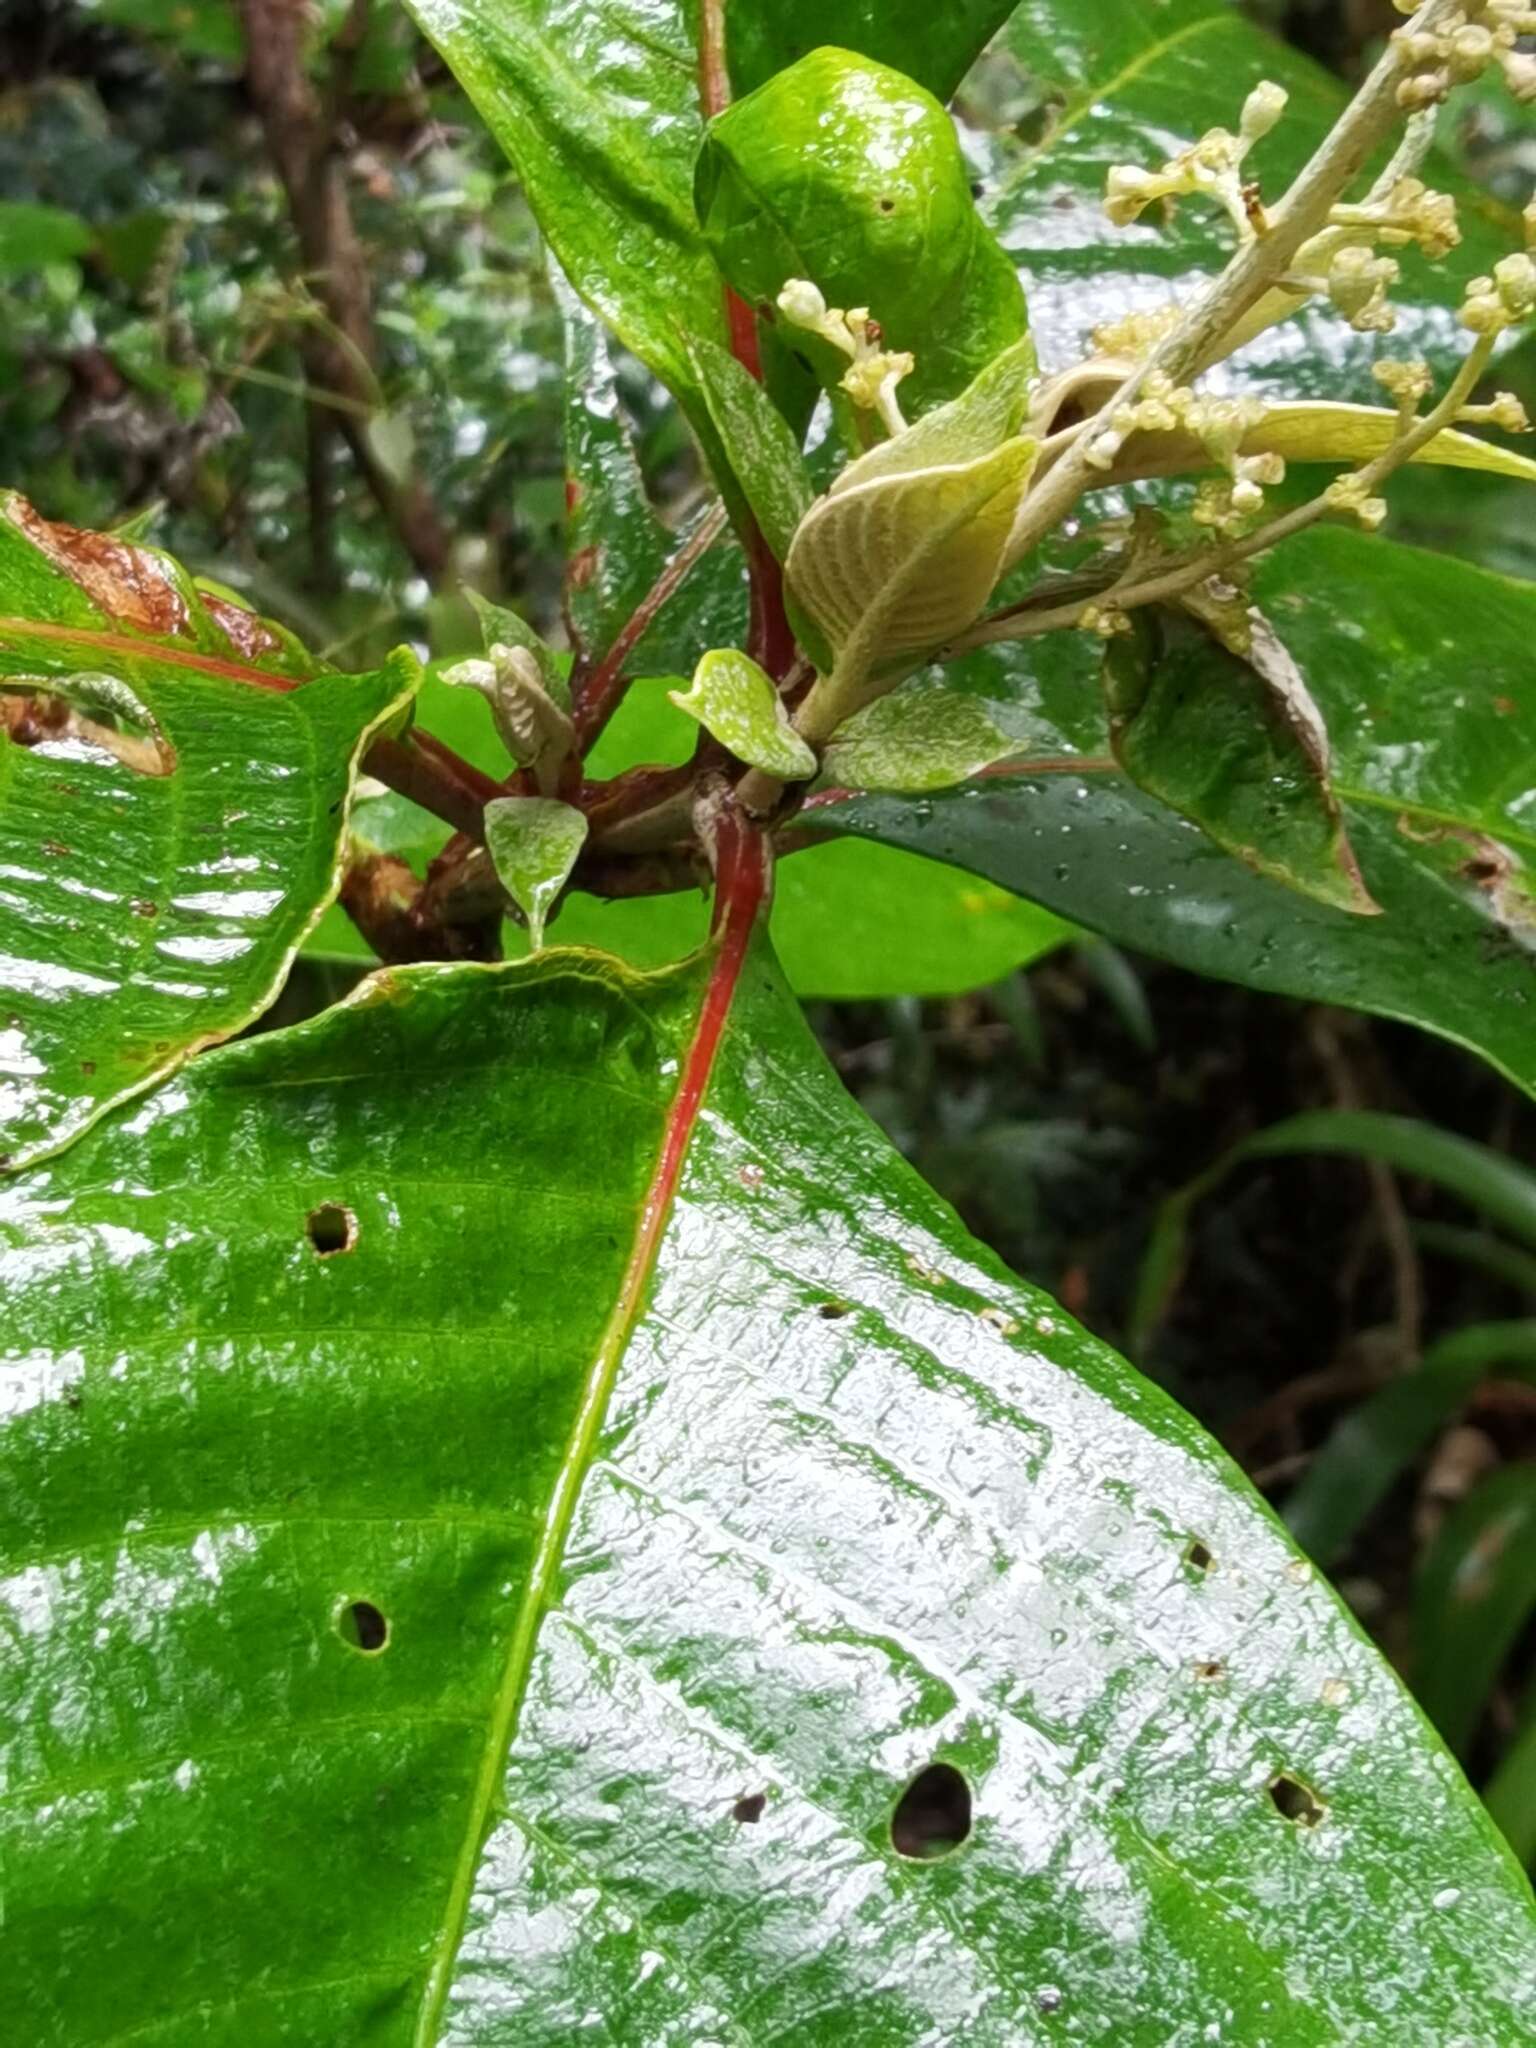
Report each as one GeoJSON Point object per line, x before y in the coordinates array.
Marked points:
{"type": "Point", "coordinates": [174, 775]}
{"type": "Point", "coordinates": [1422, 669]}
{"type": "Point", "coordinates": [1125, 84]}
{"type": "Point", "coordinates": [525, 1517]}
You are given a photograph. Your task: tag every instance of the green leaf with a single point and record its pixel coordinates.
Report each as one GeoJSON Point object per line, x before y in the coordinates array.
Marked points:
{"type": "Point", "coordinates": [1124, 82]}
{"type": "Point", "coordinates": [1476, 1590]}
{"type": "Point", "coordinates": [1433, 772]}
{"type": "Point", "coordinates": [172, 795]}
{"type": "Point", "coordinates": [737, 704]}
{"type": "Point", "coordinates": [500, 625]}
{"type": "Point", "coordinates": [919, 737]}
{"type": "Point", "coordinates": [1510, 1793]}
{"type": "Point", "coordinates": [616, 547]}
{"type": "Point", "coordinates": [1234, 742]}
{"type": "Point", "coordinates": [846, 173]}
{"type": "Point", "coordinates": [933, 45]}
{"type": "Point", "coordinates": [598, 111]}
{"type": "Point", "coordinates": [1371, 1448]}
{"type": "Point", "coordinates": [898, 563]}
{"type": "Point", "coordinates": [533, 842]}
{"type": "Point", "coordinates": [765, 460]}
{"type": "Point", "coordinates": [32, 237]}
{"type": "Point", "coordinates": [485, 1604]}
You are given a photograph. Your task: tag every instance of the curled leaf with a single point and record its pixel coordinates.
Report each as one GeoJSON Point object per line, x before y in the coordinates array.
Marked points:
{"type": "Point", "coordinates": [534, 729]}
{"type": "Point", "coordinates": [533, 842]}
{"type": "Point", "coordinates": [1321, 431]}
{"type": "Point", "coordinates": [737, 704]}
{"type": "Point", "coordinates": [500, 624]}
{"type": "Point", "coordinates": [896, 563]}
{"type": "Point", "coordinates": [1220, 726]}
{"type": "Point", "coordinates": [922, 736]}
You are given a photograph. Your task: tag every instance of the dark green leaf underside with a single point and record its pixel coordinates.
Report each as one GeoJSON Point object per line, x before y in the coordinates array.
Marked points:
{"type": "Point", "coordinates": [858, 1501]}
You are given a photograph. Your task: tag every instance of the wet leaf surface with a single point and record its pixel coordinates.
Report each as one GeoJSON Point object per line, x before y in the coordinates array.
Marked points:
{"type": "Point", "coordinates": [315, 1730]}
{"type": "Point", "coordinates": [173, 781]}
{"type": "Point", "coordinates": [1422, 668]}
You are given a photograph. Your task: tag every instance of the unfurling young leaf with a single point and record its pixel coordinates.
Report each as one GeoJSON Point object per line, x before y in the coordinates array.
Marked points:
{"type": "Point", "coordinates": [736, 703]}
{"type": "Point", "coordinates": [899, 562]}
{"type": "Point", "coordinates": [1229, 736]}
{"type": "Point", "coordinates": [534, 729]}
{"type": "Point", "coordinates": [533, 842]}
{"type": "Point", "coordinates": [844, 172]}
{"type": "Point", "coordinates": [922, 736]}
{"type": "Point", "coordinates": [499, 623]}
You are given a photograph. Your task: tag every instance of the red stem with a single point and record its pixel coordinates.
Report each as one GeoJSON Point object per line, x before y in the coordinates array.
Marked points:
{"type": "Point", "coordinates": [603, 689]}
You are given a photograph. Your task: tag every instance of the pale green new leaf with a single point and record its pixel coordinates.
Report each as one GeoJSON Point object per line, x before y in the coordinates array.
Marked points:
{"type": "Point", "coordinates": [1317, 430]}
{"type": "Point", "coordinates": [898, 564]}
{"type": "Point", "coordinates": [735, 701]}
{"type": "Point", "coordinates": [766, 466]}
{"type": "Point", "coordinates": [922, 736]}
{"type": "Point", "coordinates": [533, 842]}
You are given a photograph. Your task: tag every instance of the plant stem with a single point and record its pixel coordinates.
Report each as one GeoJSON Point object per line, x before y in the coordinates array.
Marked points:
{"type": "Point", "coordinates": [1169, 582]}
{"type": "Point", "coordinates": [603, 690]}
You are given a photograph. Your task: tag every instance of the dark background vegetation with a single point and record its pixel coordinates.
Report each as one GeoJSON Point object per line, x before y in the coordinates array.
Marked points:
{"type": "Point", "coordinates": [347, 459]}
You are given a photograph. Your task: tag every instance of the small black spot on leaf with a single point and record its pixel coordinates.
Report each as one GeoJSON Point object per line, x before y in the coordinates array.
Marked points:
{"type": "Point", "coordinates": [833, 1311]}
{"type": "Point", "coordinates": [331, 1229]}
{"type": "Point", "coordinates": [1198, 1556]}
{"type": "Point", "coordinates": [362, 1626]}
{"type": "Point", "coordinates": [933, 1815]}
{"type": "Point", "coordinates": [1296, 1802]}
{"type": "Point", "coordinates": [750, 1808]}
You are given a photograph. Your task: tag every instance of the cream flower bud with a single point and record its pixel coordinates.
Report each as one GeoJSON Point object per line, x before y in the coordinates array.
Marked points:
{"type": "Point", "coordinates": [1469, 50]}
{"type": "Point", "coordinates": [1519, 74]}
{"type": "Point", "coordinates": [1358, 284]}
{"type": "Point", "coordinates": [1505, 410]}
{"type": "Point", "coordinates": [1262, 109]}
{"type": "Point", "coordinates": [1408, 382]}
{"type": "Point", "coordinates": [1515, 281]}
{"type": "Point", "coordinates": [802, 304]}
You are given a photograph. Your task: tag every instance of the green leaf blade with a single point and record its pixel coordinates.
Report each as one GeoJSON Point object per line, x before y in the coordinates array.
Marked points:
{"type": "Point", "coordinates": [170, 846]}
{"type": "Point", "coordinates": [858, 1501]}
{"type": "Point", "coordinates": [1432, 775]}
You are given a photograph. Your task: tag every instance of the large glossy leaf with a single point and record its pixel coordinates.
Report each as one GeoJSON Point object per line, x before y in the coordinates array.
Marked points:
{"type": "Point", "coordinates": [171, 832]}
{"type": "Point", "coordinates": [1423, 669]}
{"type": "Point", "coordinates": [933, 45]}
{"type": "Point", "coordinates": [1124, 82]}
{"type": "Point", "coordinates": [455, 1598]}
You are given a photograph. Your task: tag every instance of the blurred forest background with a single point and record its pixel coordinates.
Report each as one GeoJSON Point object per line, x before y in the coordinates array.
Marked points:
{"type": "Point", "coordinates": [288, 319]}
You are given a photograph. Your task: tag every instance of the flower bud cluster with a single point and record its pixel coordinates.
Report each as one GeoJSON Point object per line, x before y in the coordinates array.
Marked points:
{"type": "Point", "coordinates": [1220, 425]}
{"type": "Point", "coordinates": [1502, 300]}
{"type": "Point", "coordinates": [1351, 494]}
{"type": "Point", "coordinates": [873, 372]}
{"type": "Point", "coordinates": [1212, 167]}
{"type": "Point", "coordinates": [1461, 48]}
